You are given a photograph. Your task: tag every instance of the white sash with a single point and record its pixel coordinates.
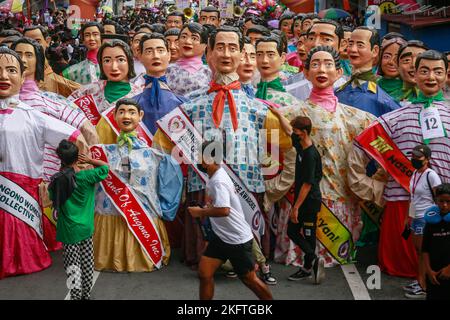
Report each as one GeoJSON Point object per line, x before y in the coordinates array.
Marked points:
{"type": "Point", "coordinates": [16, 201]}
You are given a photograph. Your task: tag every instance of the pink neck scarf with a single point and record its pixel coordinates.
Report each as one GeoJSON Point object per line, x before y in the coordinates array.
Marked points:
{"type": "Point", "coordinates": [27, 90]}
{"type": "Point", "coordinates": [191, 65]}
{"type": "Point", "coordinates": [92, 56]}
{"type": "Point", "coordinates": [324, 98]}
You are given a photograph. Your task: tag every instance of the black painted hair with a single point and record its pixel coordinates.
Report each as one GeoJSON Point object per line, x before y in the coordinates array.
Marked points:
{"type": "Point", "coordinates": [212, 38]}
{"type": "Point", "coordinates": [431, 55]}
{"type": "Point", "coordinates": [197, 28]}
{"type": "Point", "coordinates": [259, 29]}
{"type": "Point", "coordinates": [67, 152]}
{"type": "Point", "coordinates": [310, 16]}
{"type": "Point", "coordinates": [392, 35]}
{"type": "Point", "coordinates": [210, 29]}
{"type": "Point", "coordinates": [158, 28]}
{"type": "Point", "coordinates": [177, 14]}
{"type": "Point", "coordinates": [413, 44]}
{"type": "Point", "coordinates": [374, 38]}
{"type": "Point", "coordinates": [282, 37]}
{"type": "Point", "coordinates": [9, 33]}
{"type": "Point", "coordinates": [6, 50]}
{"type": "Point", "coordinates": [142, 26]}
{"type": "Point", "coordinates": [256, 21]}
{"type": "Point", "coordinates": [271, 38]}
{"type": "Point", "coordinates": [172, 32]}
{"type": "Point", "coordinates": [339, 31]}
{"type": "Point", "coordinates": [38, 52]}
{"type": "Point", "coordinates": [152, 36]}
{"type": "Point", "coordinates": [119, 29]}
{"type": "Point", "coordinates": [347, 29]}
{"type": "Point", "coordinates": [330, 50]}
{"type": "Point", "coordinates": [127, 101]}
{"type": "Point", "coordinates": [10, 39]}
{"type": "Point", "coordinates": [34, 27]}
{"type": "Point", "coordinates": [126, 49]}
{"type": "Point", "coordinates": [91, 24]}
{"type": "Point", "coordinates": [210, 9]}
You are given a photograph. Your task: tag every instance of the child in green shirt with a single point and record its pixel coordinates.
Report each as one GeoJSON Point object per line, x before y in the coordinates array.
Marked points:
{"type": "Point", "coordinates": [72, 191]}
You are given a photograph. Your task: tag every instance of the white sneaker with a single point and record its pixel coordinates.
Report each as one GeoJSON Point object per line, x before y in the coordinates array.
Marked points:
{"type": "Point", "coordinates": [418, 294]}
{"type": "Point", "coordinates": [411, 287]}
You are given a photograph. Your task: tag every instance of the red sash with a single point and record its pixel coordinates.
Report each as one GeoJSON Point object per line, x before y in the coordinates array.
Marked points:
{"type": "Point", "coordinates": [139, 221]}
{"type": "Point", "coordinates": [378, 144]}
{"type": "Point", "coordinates": [88, 106]}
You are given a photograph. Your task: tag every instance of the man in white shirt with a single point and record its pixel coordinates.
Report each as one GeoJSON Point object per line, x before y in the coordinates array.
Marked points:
{"type": "Point", "coordinates": [231, 237]}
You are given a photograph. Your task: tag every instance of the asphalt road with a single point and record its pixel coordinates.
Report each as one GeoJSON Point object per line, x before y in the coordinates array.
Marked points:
{"type": "Point", "coordinates": [178, 282]}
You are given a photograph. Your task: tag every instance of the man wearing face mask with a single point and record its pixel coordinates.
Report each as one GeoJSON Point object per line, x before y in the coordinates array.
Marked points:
{"type": "Point", "coordinates": [87, 71]}
{"type": "Point", "coordinates": [228, 115]}
{"type": "Point", "coordinates": [425, 121]}
{"type": "Point", "coordinates": [330, 119]}
{"type": "Point", "coordinates": [188, 74]}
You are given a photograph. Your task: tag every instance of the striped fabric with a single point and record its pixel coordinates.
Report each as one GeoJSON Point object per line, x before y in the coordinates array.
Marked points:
{"type": "Point", "coordinates": [59, 108]}
{"type": "Point", "coordinates": [402, 125]}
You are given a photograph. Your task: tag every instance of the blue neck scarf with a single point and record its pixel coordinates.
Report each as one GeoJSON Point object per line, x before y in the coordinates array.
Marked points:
{"type": "Point", "coordinates": [155, 97]}
{"type": "Point", "coordinates": [248, 89]}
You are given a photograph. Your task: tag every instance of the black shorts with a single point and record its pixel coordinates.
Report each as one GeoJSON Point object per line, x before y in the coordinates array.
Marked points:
{"type": "Point", "coordinates": [240, 255]}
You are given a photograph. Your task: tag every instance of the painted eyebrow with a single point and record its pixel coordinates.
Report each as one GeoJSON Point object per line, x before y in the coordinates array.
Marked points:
{"type": "Point", "coordinates": [326, 34]}
{"type": "Point", "coordinates": [18, 51]}
{"type": "Point", "coordinates": [159, 47]}
{"type": "Point", "coordinates": [269, 51]}
{"type": "Point", "coordinates": [326, 60]}
{"type": "Point", "coordinates": [406, 54]}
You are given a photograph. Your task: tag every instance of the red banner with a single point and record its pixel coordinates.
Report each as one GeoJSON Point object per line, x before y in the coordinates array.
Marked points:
{"type": "Point", "coordinates": [141, 129]}
{"type": "Point", "coordinates": [88, 106]}
{"type": "Point", "coordinates": [377, 143]}
{"type": "Point", "coordinates": [139, 221]}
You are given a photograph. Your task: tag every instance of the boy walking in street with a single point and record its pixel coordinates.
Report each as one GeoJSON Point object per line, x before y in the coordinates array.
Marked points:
{"type": "Point", "coordinates": [232, 237]}
{"type": "Point", "coordinates": [308, 198]}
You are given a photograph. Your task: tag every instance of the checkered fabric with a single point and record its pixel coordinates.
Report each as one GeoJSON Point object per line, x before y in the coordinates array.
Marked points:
{"type": "Point", "coordinates": [79, 266]}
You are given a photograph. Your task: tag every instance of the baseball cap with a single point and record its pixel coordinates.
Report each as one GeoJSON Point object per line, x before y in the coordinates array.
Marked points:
{"type": "Point", "coordinates": [421, 150]}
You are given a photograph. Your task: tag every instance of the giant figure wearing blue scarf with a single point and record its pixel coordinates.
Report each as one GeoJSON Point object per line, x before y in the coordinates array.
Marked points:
{"type": "Point", "coordinates": [157, 99]}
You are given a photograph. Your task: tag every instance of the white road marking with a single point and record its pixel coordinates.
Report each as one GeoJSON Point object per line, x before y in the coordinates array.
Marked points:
{"type": "Point", "coordinates": [355, 282]}
{"type": "Point", "coordinates": [96, 274]}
